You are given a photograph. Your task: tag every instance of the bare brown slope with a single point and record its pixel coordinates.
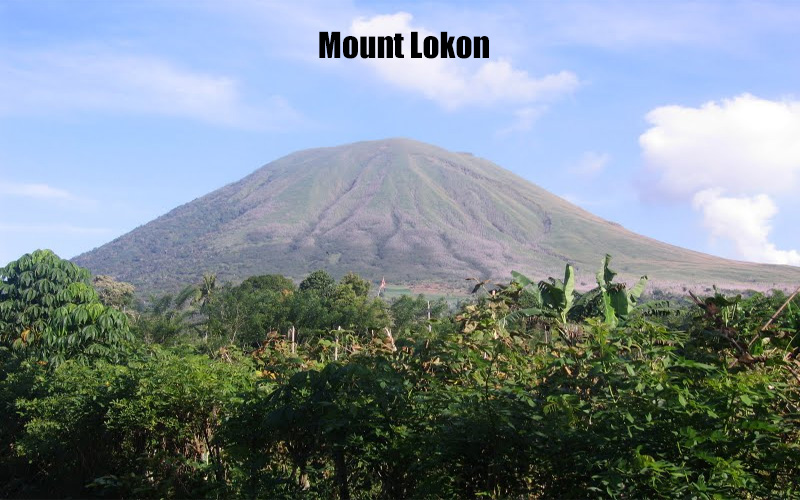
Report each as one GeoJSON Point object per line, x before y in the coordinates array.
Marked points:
{"type": "Point", "coordinates": [397, 208]}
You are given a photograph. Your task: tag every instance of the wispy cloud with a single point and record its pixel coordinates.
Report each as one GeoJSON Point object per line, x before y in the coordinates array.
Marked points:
{"type": "Point", "coordinates": [68, 229]}
{"type": "Point", "coordinates": [728, 158]}
{"type": "Point", "coordinates": [452, 83]}
{"type": "Point", "coordinates": [36, 191]}
{"type": "Point", "coordinates": [590, 164]}
{"type": "Point", "coordinates": [88, 79]}
{"type": "Point", "coordinates": [524, 118]}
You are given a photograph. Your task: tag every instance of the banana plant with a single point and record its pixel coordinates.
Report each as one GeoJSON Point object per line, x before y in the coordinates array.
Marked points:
{"type": "Point", "coordinates": [617, 300]}
{"type": "Point", "coordinates": [555, 296]}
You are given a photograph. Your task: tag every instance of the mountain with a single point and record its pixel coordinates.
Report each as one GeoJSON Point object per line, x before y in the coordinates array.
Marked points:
{"type": "Point", "coordinates": [409, 211]}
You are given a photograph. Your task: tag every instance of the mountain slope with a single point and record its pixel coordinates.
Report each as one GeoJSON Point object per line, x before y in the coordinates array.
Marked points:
{"type": "Point", "coordinates": [402, 209]}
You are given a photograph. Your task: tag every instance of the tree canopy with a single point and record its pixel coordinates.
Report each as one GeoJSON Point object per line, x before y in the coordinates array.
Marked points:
{"type": "Point", "coordinates": [263, 389]}
{"type": "Point", "coordinates": [50, 312]}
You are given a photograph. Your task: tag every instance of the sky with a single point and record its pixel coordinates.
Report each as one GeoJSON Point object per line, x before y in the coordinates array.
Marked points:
{"type": "Point", "coordinates": [678, 120]}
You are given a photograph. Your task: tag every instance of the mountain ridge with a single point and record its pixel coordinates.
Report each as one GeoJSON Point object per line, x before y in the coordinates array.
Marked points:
{"type": "Point", "coordinates": [410, 211]}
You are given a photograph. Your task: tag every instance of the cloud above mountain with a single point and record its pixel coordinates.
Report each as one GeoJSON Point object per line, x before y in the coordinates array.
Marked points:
{"type": "Point", "coordinates": [452, 83]}
{"type": "Point", "coordinates": [730, 159]}
{"type": "Point", "coordinates": [85, 78]}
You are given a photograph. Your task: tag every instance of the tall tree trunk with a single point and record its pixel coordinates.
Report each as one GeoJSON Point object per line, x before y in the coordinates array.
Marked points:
{"type": "Point", "coordinates": [340, 474]}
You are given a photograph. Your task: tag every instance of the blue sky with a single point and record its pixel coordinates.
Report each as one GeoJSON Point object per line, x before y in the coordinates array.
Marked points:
{"type": "Point", "coordinates": [681, 121]}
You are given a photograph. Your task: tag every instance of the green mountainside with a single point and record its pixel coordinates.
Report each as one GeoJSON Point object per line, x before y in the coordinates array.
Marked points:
{"type": "Point", "coordinates": [412, 212]}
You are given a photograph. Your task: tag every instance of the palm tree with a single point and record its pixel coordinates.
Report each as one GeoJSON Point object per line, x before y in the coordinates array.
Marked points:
{"type": "Point", "coordinates": [205, 295]}
{"type": "Point", "coordinates": [206, 292]}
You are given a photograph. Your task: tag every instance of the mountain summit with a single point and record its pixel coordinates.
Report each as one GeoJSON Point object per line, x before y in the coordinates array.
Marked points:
{"type": "Point", "coordinates": [399, 208]}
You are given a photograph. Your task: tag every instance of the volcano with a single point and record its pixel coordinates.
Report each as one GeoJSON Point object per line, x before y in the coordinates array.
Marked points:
{"type": "Point", "coordinates": [412, 212]}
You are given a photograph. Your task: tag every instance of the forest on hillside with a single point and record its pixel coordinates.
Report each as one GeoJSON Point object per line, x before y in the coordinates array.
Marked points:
{"type": "Point", "coordinates": [323, 389]}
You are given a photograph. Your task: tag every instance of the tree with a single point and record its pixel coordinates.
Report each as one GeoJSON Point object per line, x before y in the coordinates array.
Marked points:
{"type": "Point", "coordinates": [318, 281]}
{"type": "Point", "coordinates": [113, 293]}
{"type": "Point", "coordinates": [165, 319]}
{"type": "Point", "coordinates": [49, 312]}
{"type": "Point", "coordinates": [359, 285]}
{"type": "Point", "coordinates": [145, 429]}
{"type": "Point", "coordinates": [357, 312]}
{"type": "Point", "coordinates": [206, 291]}
{"type": "Point", "coordinates": [245, 314]}
{"type": "Point", "coordinates": [267, 282]}
{"type": "Point", "coordinates": [412, 312]}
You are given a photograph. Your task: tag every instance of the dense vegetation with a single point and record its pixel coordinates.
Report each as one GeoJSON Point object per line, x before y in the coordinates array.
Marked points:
{"type": "Point", "coordinates": [322, 390]}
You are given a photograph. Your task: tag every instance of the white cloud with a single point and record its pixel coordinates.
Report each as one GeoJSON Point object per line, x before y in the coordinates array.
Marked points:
{"type": "Point", "coordinates": [745, 221]}
{"type": "Point", "coordinates": [590, 164]}
{"type": "Point", "coordinates": [68, 229]}
{"type": "Point", "coordinates": [36, 191]}
{"type": "Point", "coordinates": [453, 83]}
{"type": "Point", "coordinates": [743, 145]}
{"type": "Point", "coordinates": [524, 118]}
{"type": "Point", "coordinates": [76, 79]}
{"type": "Point", "coordinates": [746, 148]}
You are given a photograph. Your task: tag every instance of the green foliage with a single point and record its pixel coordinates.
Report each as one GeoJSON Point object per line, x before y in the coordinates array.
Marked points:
{"type": "Point", "coordinates": [332, 426]}
{"type": "Point", "coordinates": [617, 301]}
{"type": "Point", "coordinates": [411, 313]}
{"type": "Point", "coordinates": [558, 295]}
{"type": "Point", "coordinates": [49, 312]}
{"type": "Point", "coordinates": [167, 319]}
{"type": "Point", "coordinates": [319, 281]}
{"type": "Point", "coordinates": [245, 315]}
{"type": "Point", "coordinates": [300, 394]}
{"type": "Point", "coordinates": [646, 421]}
{"type": "Point", "coordinates": [146, 429]}
{"type": "Point", "coordinates": [114, 293]}
{"type": "Point", "coordinates": [267, 282]}
{"type": "Point", "coordinates": [351, 308]}
{"type": "Point", "coordinates": [358, 285]}
{"type": "Point", "coordinates": [554, 297]}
